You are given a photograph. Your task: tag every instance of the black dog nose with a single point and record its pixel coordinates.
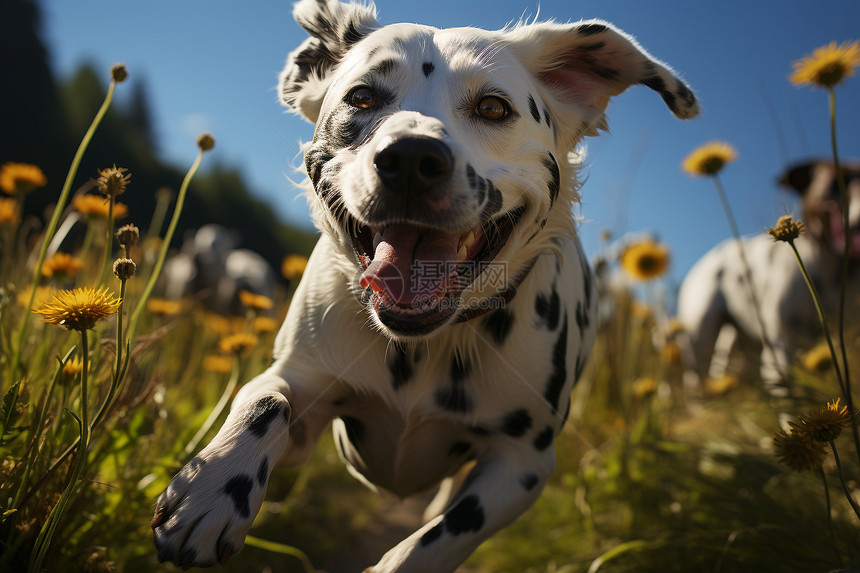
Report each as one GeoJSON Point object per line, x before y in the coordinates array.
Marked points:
{"type": "Point", "coordinates": [415, 164]}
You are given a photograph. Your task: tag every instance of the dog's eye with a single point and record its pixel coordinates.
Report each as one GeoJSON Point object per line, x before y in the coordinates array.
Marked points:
{"type": "Point", "coordinates": [362, 97]}
{"type": "Point", "coordinates": [492, 108]}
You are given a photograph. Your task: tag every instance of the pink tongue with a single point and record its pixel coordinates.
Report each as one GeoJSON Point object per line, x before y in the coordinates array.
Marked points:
{"type": "Point", "coordinates": [411, 266]}
{"type": "Point", "coordinates": [838, 233]}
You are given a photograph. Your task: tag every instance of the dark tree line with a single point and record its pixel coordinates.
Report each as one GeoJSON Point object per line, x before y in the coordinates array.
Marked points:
{"type": "Point", "coordinates": [42, 120]}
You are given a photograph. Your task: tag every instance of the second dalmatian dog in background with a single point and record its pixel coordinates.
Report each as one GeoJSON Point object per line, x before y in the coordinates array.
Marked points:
{"type": "Point", "coordinates": [714, 302]}
{"type": "Point", "coordinates": [448, 308]}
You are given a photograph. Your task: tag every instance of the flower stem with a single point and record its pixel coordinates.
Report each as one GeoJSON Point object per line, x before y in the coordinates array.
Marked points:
{"type": "Point", "coordinates": [191, 446]}
{"type": "Point", "coordinates": [162, 253]}
{"type": "Point", "coordinates": [15, 365]}
{"type": "Point", "coordinates": [103, 274]}
{"type": "Point", "coordinates": [821, 318]}
{"type": "Point", "coordinates": [829, 516]}
{"type": "Point", "coordinates": [845, 489]}
{"type": "Point", "coordinates": [846, 253]}
{"type": "Point", "coordinates": [43, 541]}
{"type": "Point", "coordinates": [747, 270]}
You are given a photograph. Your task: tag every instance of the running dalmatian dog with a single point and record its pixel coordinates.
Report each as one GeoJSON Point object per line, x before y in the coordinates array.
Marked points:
{"type": "Point", "coordinates": [448, 307]}
{"type": "Point", "coordinates": [714, 301]}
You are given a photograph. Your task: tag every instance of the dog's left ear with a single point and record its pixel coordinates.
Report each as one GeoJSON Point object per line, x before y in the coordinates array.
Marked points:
{"type": "Point", "coordinates": [334, 28]}
{"type": "Point", "coordinates": [799, 176]}
{"type": "Point", "coordinates": [586, 63]}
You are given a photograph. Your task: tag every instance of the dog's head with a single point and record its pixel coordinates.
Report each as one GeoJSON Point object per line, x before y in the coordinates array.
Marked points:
{"type": "Point", "coordinates": [440, 161]}
{"type": "Point", "coordinates": [816, 182]}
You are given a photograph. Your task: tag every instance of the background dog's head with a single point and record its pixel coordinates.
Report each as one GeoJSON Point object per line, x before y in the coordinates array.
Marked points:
{"type": "Point", "coordinates": [815, 181]}
{"type": "Point", "coordinates": [440, 157]}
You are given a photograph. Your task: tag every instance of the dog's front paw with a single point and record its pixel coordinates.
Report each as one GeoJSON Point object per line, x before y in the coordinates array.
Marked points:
{"type": "Point", "coordinates": [204, 514]}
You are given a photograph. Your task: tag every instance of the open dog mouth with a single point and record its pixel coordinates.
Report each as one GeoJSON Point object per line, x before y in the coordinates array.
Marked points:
{"type": "Point", "coordinates": [417, 274]}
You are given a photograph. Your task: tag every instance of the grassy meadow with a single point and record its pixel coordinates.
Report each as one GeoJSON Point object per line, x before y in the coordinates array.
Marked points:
{"type": "Point", "coordinates": [107, 390]}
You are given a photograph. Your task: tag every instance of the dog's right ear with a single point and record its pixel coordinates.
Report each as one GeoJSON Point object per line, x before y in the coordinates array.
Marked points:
{"type": "Point", "coordinates": [799, 176]}
{"type": "Point", "coordinates": [334, 28]}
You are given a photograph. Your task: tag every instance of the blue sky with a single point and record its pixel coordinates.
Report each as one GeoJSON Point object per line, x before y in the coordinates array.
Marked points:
{"type": "Point", "coordinates": [213, 65]}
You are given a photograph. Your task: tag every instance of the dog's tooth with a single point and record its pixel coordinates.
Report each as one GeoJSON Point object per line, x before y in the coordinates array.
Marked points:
{"type": "Point", "coordinates": [377, 238]}
{"type": "Point", "coordinates": [469, 240]}
{"type": "Point", "coordinates": [461, 254]}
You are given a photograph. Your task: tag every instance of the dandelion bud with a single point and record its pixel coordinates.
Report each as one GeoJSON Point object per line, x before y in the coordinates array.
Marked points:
{"type": "Point", "coordinates": [124, 269]}
{"type": "Point", "coordinates": [128, 235]}
{"type": "Point", "coordinates": [113, 180]}
{"type": "Point", "coordinates": [787, 229]}
{"type": "Point", "coordinates": [205, 142]}
{"type": "Point", "coordinates": [118, 73]}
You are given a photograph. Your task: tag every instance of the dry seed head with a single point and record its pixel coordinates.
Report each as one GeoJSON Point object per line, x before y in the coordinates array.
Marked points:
{"type": "Point", "coordinates": [798, 451]}
{"type": "Point", "coordinates": [113, 181]}
{"type": "Point", "coordinates": [205, 142]}
{"type": "Point", "coordinates": [118, 73]}
{"type": "Point", "coordinates": [787, 229]}
{"type": "Point", "coordinates": [128, 235]}
{"type": "Point", "coordinates": [124, 269]}
{"type": "Point", "coordinates": [824, 424]}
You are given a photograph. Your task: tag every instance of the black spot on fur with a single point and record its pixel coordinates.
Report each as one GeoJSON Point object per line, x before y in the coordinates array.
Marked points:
{"type": "Point", "coordinates": [657, 84]}
{"type": "Point", "coordinates": [432, 535]}
{"type": "Point", "coordinates": [592, 47]}
{"type": "Point", "coordinates": [516, 423]}
{"type": "Point", "coordinates": [548, 308]}
{"type": "Point", "coordinates": [533, 109]}
{"type": "Point", "coordinates": [455, 397]}
{"type": "Point", "coordinates": [400, 368]}
{"type": "Point", "coordinates": [264, 412]}
{"type": "Point", "coordinates": [528, 481]}
{"type": "Point", "coordinates": [263, 472]}
{"type": "Point", "coordinates": [499, 324]}
{"type": "Point", "coordinates": [591, 29]}
{"type": "Point", "coordinates": [558, 377]}
{"type": "Point", "coordinates": [427, 68]}
{"type": "Point", "coordinates": [582, 318]}
{"type": "Point", "coordinates": [685, 94]}
{"type": "Point", "coordinates": [471, 176]}
{"type": "Point", "coordinates": [480, 431]}
{"type": "Point", "coordinates": [554, 183]}
{"type": "Point", "coordinates": [352, 35]}
{"type": "Point", "coordinates": [354, 430]}
{"type": "Point", "coordinates": [239, 489]}
{"type": "Point", "coordinates": [466, 516]}
{"type": "Point", "coordinates": [315, 159]}
{"type": "Point", "coordinates": [546, 117]}
{"type": "Point", "coordinates": [384, 67]}
{"type": "Point", "coordinates": [544, 439]}
{"type": "Point", "coordinates": [494, 201]}
{"type": "Point", "coordinates": [459, 449]}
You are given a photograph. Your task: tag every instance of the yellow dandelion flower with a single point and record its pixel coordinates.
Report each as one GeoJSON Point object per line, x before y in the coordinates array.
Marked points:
{"type": "Point", "coordinates": [255, 301]}
{"type": "Point", "coordinates": [787, 229]}
{"type": "Point", "coordinates": [164, 307]}
{"type": "Point", "coordinates": [96, 206]}
{"type": "Point", "coordinates": [646, 260]}
{"type": "Point", "coordinates": [62, 264]}
{"type": "Point", "coordinates": [264, 324]}
{"type": "Point", "coordinates": [644, 387]}
{"type": "Point", "coordinates": [293, 266]}
{"type": "Point", "coordinates": [827, 66]}
{"type": "Point", "coordinates": [798, 451]}
{"type": "Point", "coordinates": [72, 368]}
{"type": "Point", "coordinates": [218, 363]}
{"type": "Point", "coordinates": [824, 424]}
{"type": "Point", "coordinates": [721, 385]}
{"type": "Point", "coordinates": [818, 358]}
{"type": "Point", "coordinates": [80, 308]}
{"type": "Point", "coordinates": [10, 214]}
{"type": "Point", "coordinates": [43, 294]}
{"type": "Point", "coordinates": [222, 325]}
{"type": "Point", "coordinates": [671, 353]}
{"type": "Point", "coordinates": [21, 177]}
{"type": "Point", "coordinates": [113, 181]}
{"type": "Point", "coordinates": [237, 343]}
{"type": "Point", "coordinates": [709, 158]}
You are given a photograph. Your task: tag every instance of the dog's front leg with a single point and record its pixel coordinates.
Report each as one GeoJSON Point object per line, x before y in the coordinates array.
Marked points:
{"type": "Point", "coordinates": [501, 486]}
{"type": "Point", "coordinates": [202, 517]}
